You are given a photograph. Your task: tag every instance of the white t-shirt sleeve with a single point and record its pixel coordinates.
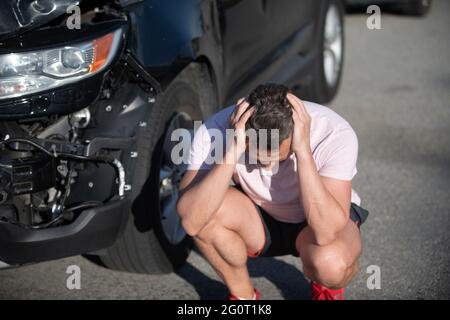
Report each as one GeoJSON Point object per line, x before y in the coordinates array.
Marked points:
{"type": "Point", "coordinates": [200, 151]}
{"type": "Point", "coordinates": [338, 155]}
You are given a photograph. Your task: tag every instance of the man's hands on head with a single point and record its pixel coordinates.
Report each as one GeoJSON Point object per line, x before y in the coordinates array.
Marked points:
{"type": "Point", "coordinates": [302, 125]}
{"type": "Point", "coordinates": [300, 136]}
{"type": "Point", "coordinates": [238, 119]}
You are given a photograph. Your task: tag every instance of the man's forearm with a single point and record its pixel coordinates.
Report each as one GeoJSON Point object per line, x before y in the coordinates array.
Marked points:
{"type": "Point", "coordinates": [199, 202]}
{"type": "Point", "coordinates": [323, 213]}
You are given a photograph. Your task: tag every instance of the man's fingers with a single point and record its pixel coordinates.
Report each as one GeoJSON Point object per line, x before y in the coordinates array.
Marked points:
{"type": "Point", "coordinates": [247, 114]}
{"type": "Point", "coordinates": [298, 106]}
{"type": "Point", "coordinates": [240, 110]}
{"type": "Point", "coordinates": [233, 114]}
{"type": "Point", "coordinates": [236, 108]}
{"type": "Point", "coordinates": [295, 116]}
{"type": "Point", "coordinates": [240, 101]}
{"type": "Point", "coordinates": [295, 106]}
{"type": "Point", "coordinates": [295, 102]}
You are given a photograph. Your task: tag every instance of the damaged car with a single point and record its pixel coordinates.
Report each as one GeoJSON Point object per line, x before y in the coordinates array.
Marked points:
{"type": "Point", "coordinates": [87, 112]}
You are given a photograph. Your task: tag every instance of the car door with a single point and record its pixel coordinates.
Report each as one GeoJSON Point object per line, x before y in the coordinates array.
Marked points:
{"type": "Point", "coordinates": [252, 31]}
{"type": "Point", "coordinates": [246, 36]}
{"type": "Point", "coordinates": [292, 15]}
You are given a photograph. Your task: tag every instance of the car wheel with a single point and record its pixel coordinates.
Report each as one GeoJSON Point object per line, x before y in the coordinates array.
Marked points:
{"type": "Point", "coordinates": [153, 240]}
{"type": "Point", "coordinates": [323, 83]}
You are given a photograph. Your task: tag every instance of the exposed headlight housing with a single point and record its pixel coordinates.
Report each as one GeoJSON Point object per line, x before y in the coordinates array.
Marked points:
{"type": "Point", "coordinates": [31, 72]}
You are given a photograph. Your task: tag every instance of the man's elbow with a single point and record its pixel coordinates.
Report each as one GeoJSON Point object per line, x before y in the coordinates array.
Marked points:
{"type": "Point", "coordinates": [190, 228]}
{"type": "Point", "coordinates": [325, 239]}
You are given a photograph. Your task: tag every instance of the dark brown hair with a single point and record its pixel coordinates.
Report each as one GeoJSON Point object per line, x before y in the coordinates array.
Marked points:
{"type": "Point", "coordinates": [272, 111]}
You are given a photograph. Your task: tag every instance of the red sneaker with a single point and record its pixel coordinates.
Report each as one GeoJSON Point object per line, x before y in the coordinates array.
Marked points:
{"type": "Point", "coordinates": [255, 296]}
{"type": "Point", "coordinates": [319, 292]}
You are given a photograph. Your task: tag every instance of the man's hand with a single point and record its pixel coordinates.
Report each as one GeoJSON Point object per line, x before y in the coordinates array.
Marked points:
{"type": "Point", "coordinates": [302, 125]}
{"type": "Point", "coordinates": [238, 119]}
{"type": "Point", "coordinates": [197, 203]}
{"type": "Point", "coordinates": [326, 201]}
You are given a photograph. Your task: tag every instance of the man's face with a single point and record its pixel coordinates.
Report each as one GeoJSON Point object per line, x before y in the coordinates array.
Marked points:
{"type": "Point", "coordinates": [267, 159]}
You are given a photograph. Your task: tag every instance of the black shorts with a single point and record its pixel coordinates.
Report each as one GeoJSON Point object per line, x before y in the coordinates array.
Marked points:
{"type": "Point", "coordinates": [280, 236]}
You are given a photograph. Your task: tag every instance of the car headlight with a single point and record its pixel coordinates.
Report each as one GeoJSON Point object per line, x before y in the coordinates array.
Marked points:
{"type": "Point", "coordinates": [30, 72]}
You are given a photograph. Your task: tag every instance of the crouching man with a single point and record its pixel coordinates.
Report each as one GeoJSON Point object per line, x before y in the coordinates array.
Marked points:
{"type": "Point", "coordinates": [295, 198]}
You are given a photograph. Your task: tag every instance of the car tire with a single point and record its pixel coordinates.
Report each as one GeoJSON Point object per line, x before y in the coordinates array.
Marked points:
{"type": "Point", "coordinates": [324, 79]}
{"type": "Point", "coordinates": [144, 246]}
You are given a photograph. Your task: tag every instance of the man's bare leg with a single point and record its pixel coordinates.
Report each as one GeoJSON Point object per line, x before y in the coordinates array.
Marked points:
{"type": "Point", "coordinates": [333, 265]}
{"type": "Point", "coordinates": [232, 268]}
{"type": "Point", "coordinates": [235, 229]}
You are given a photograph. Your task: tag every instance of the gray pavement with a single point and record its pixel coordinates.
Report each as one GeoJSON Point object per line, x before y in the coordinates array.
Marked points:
{"type": "Point", "coordinates": [395, 93]}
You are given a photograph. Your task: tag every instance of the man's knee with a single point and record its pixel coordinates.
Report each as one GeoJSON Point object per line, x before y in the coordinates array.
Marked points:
{"type": "Point", "coordinates": [218, 218]}
{"type": "Point", "coordinates": [227, 243]}
{"type": "Point", "coordinates": [208, 231]}
{"type": "Point", "coordinates": [197, 230]}
{"type": "Point", "coordinates": [330, 269]}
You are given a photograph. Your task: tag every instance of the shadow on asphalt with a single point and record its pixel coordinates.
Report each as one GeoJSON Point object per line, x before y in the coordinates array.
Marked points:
{"type": "Point", "coordinates": [288, 279]}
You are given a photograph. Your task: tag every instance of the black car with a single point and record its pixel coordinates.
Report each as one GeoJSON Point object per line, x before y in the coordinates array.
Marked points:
{"type": "Point", "coordinates": [86, 114]}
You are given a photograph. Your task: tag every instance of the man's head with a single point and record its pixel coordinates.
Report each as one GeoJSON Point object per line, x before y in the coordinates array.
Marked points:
{"type": "Point", "coordinates": [272, 111]}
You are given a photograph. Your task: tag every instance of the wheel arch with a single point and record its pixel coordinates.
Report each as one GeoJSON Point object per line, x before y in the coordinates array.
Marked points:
{"type": "Point", "coordinates": [166, 41]}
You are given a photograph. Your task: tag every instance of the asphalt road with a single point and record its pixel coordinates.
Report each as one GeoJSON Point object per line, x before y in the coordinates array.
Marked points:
{"type": "Point", "coordinates": [395, 93]}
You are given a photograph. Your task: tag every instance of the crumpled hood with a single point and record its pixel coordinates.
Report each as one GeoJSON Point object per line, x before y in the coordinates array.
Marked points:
{"type": "Point", "coordinates": [19, 16]}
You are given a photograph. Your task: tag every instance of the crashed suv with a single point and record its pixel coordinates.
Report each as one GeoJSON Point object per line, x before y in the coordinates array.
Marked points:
{"type": "Point", "coordinates": [87, 112]}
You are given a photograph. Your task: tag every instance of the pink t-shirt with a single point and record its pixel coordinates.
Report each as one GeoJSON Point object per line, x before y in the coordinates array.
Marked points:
{"type": "Point", "coordinates": [334, 147]}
